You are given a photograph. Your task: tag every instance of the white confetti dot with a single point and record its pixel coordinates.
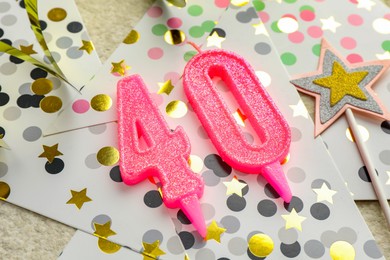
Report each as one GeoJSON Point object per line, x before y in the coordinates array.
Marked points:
{"type": "Point", "coordinates": [288, 25]}
{"type": "Point", "coordinates": [381, 25]}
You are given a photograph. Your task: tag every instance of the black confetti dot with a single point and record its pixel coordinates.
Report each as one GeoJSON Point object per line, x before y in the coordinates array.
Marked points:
{"type": "Point", "coordinates": [295, 203]}
{"type": "Point", "coordinates": [270, 191]}
{"type": "Point", "coordinates": [24, 101]}
{"type": "Point", "coordinates": [2, 131]}
{"type": "Point", "coordinates": [220, 32]}
{"type": "Point", "coordinates": [43, 25]}
{"type": "Point", "coordinates": [1, 32]}
{"type": "Point", "coordinates": [220, 168]}
{"type": "Point", "coordinates": [115, 174]}
{"type": "Point", "coordinates": [223, 258]}
{"type": "Point", "coordinates": [55, 167]}
{"type": "Point", "coordinates": [21, 4]}
{"type": "Point", "coordinates": [152, 199]}
{"type": "Point", "coordinates": [183, 218]}
{"type": "Point", "coordinates": [35, 100]}
{"type": "Point", "coordinates": [187, 239]}
{"type": "Point", "coordinates": [38, 73]}
{"type": "Point", "coordinates": [386, 127]}
{"type": "Point", "coordinates": [319, 211]}
{"type": "Point", "coordinates": [236, 203]}
{"type": "Point", "coordinates": [15, 60]}
{"type": "Point", "coordinates": [246, 16]}
{"type": "Point", "coordinates": [363, 174]}
{"type": "Point", "coordinates": [74, 27]}
{"type": "Point", "coordinates": [290, 250]}
{"type": "Point", "coordinates": [252, 256]}
{"type": "Point", "coordinates": [4, 98]}
{"type": "Point", "coordinates": [7, 41]}
{"type": "Point", "coordinates": [267, 208]}
{"type": "Point", "coordinates": [244, 190]}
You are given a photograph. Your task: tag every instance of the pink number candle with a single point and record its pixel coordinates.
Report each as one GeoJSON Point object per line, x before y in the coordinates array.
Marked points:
{"type": "Point", "coordinates": [220, 125]}
{"type": "Point", "coordinates": [165, 154]}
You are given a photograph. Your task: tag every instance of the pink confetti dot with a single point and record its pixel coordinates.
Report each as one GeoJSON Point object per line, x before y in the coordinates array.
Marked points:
{"type": "Point", "coordinates": [290, 16]}
{"type": "Point", "coordinates": [264, 16]}
{"type": "Point", "coordinates": [354, 58]}
{"type": "Point", "coordinates": [296, 37]}
{"type": "Point", "coordinates": [355, 19]}
{"type": "Point", "coordinates": [80, 106]}
{"type": "Point", "coordinates": [222, 3]}
{"type": "Point", "coordinates": [155, 53]}
{"type": "Point", "coordinates": [348, 43]}
{"type": "Point", "coordinates": [174, 22]}
{"type": "Point", "coordinates": [315, 31]}
{"type": "Point", "coordinates": [387, 16]}
{"type": "Point", "coordinates": [173, 76]}
{"type": "Point", "coordinates": [307, 15]}
{"type": "Point", "coordinates": [155, 12]}
{"type": "Point", "coordinates": [354, 1]}
{"type": "Point", "coordinates": [157, 98]}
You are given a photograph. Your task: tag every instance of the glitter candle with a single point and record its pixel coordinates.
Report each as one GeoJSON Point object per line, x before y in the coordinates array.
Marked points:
{"type": "Point", "coordinates": [220, 125]}
{"type": "Point", "coordinates": [148, 148]}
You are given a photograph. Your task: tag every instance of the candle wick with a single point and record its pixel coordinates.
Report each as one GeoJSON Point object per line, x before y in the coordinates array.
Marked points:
{"type": "Point", "coordinates": [196, 47]}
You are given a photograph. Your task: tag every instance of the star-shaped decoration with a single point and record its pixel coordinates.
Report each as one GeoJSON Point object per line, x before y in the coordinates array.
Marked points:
{"type": "Point", "coordinates": [234, 186]}
{"type": "Point", "coordinates": [330, 24]}
{"type": "Point", "coordinates": [214, 232]}
{"type": "Point", "coordinates": [119, 67]}
{"type": "Point", "coordinates": [260, 29]}
{"type": "Point", "coordinates": [50, 152]}
{"type": "Point", "coordinates": [293, 220]}
{"type": "Point", "coordinates": [103, 230]}
{"type": "Point", "coordinates": [388, 180]}
{"type": "Point", "coordinates": [239, 117]}
{"type": "Point", "coordinates": [384, 56]}
{"type": "Point", "coordinates": [367, 4]}
{"type": "Point", "coordinates": [28, 49]}
{"type": "Point", "coordinates": [3, 144]}
{"type": "Point", "coordinates": [79, 198]}
{"type": "Point", "coordinates": [325, 194]}
{"type": "Point", "coordinates": [215, 40]}
{"type": "Point", "coordinates": [152, 251]}
{"type": "Point", "coordinates": [299, 109]}
{"type": "Point", "coordinates": [165, 87]}
{"type": "Point", "coordinates": [87, 46]}
{"type": "Point", "coordinates": [338, 85]}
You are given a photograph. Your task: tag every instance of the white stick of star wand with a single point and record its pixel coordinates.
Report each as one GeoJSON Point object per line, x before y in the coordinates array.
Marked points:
{"type": "Point", "coordinates": [364, 153]}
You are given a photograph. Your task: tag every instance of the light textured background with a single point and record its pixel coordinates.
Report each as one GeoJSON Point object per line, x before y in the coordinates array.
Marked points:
{"type": "Point", "coordinates": [26, 235]}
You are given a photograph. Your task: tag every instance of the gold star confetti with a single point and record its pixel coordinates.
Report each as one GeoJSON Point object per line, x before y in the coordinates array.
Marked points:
{"type": "Point", "coordinates": [299, 109]}
{"type": "Point", "coordinates": [152, 251]}
{"type": "Point", "coordinates": [330, 24]}
{"type": "Point", "coordinates": [215, 40]}
{"type": "Point", "coordinates": [342, 83]}
{"type": "Point", "coordinates": [293, 220]}
{"type": "Point", "coordinates": [119, 67]}
{"type": "Point", "coordinates": [28, 49]}
{"type": "Point", "coordinates": [79, 198]}
{"type": "Point", "coordinates": [50, 152]}
{"type": "Point", "coordinates": [239, 117]}
{"type": "Point", "coordinates": [234, 186]}
{"type": "Point", "coordinates": [103, 230]}
{"type": "Point", "coordinates": [260, 29]}
{"type": "Point", "coordinates": [366, 4]}
{"type": "Point", "coordinates": [324, 193]}
{"type": "Point", "coordinates": [3, 144]}
{"type": "Point", "coordinates": [87, 46]}
{"type": "Point", "coordinates": [384, 56]}
{"type": "Point", "coordinates": [388, 180]}
{"type": "Point", "coordinates": [165, 87]}
{"type": "Point", "coordinates": [214, 232]}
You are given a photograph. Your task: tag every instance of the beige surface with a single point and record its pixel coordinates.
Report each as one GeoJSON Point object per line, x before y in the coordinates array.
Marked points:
{"type": "Point", "coordinates": [25, 235]}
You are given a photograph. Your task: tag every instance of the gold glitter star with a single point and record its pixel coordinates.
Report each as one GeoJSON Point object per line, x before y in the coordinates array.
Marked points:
{"type": "Point", "coordinates": [234, 186]}
{"type": "Point", "coordinates": [165, 87]}
{"type": "Point", "coordinates": [27, 49]}
{"type": "Point", "coordinates": [119, 67]}
{"type": "Point", "coordinates": [299, 109]}
{"type": "Point", "coordinates": [342, 83]}
{"type": "Point", "coordinates": [79, 198]}
{"type": "Point", "coordinates": [330, 24]}
{"type": "Point", "coordinates": [260, 29]}
{"type": "Point", "coordinates": [152, 251]}
{"type": "Point", "coordinates": [388, 175]}
{"type": "Point", "coordinates": [293, 220]}
{"type": "Point", "coordinates": [324, 193]}
{"type": "Point", "coordinates": [214, 232]}
{"type": "Point", "coordinates": [87, 46]}
{"type": "Point", "coordinates": [215, 40]}
{"type": "Point", "coordinates": [50, 152]}
{"type": "Point", "coordinates": [103, 230]}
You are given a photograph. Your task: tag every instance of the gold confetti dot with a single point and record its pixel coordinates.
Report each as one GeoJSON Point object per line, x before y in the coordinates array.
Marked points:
{"type": "Point", "coordinates": [261, 245]}
{"type": "Point", "coordinates": [363, 132]}
{"type": "Point", "coordinates": [50, 104]}
{"type": "Point", "coordinates": [132, 37]}
{"type": "Point", "coordinates": [239, 2]}
{"type": "Point", "coordinates": [108, 156]}
{"type": "Point", "coordinates": [107, 246]}
{"type": "Point", "coordinates": [196, 163]}
{"type": "Point", "coordinates": [101, 102]}
{"type": "Point", "coordinates": [42, 86]}
{"type": "Point", "coordinates": [5, 190]}
{"type": "Point", "coordinates": [56, 14]}
{"type": "Point", "coordinates": [341, 250]}
{"type": "Point", "coordinates": [176, 109]}
{"type": "Point", "coordinates": [174, 37]}
{"type": "Point", "coordinates": [286, 159]}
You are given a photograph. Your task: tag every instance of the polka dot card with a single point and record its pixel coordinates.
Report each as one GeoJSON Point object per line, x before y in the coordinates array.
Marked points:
{"type": "Point", "coordinates": [359, 30]}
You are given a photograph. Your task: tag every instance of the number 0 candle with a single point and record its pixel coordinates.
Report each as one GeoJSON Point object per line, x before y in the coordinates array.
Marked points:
{"type": "Point", "coordinates": [220, 125]}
